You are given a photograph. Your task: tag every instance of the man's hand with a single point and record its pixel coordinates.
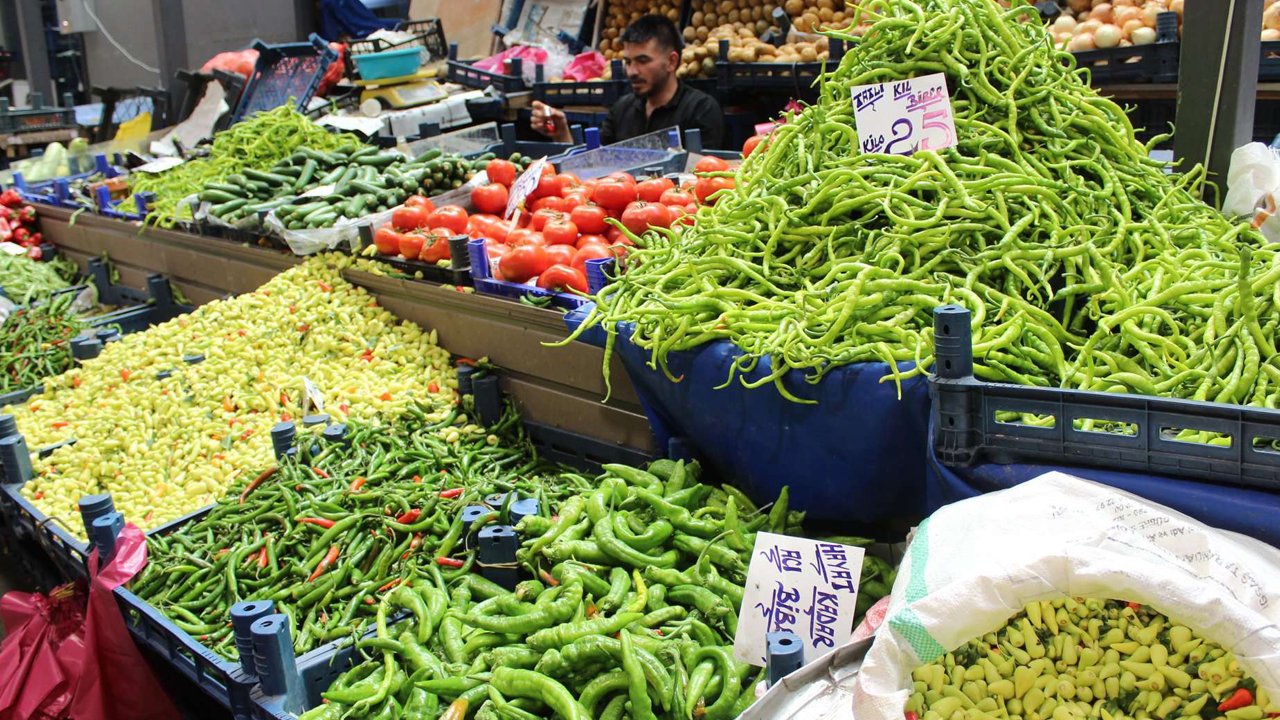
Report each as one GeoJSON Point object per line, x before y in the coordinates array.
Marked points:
{"type": "Point", "coordinates": [551, 122]}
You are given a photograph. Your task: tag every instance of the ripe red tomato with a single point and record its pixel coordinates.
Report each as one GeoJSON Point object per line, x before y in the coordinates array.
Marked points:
{"type": "Point", "coordinates": [551, 202]}
{"type": "Point", "coordinates": [561, 277]}
{"type": "Point", "coordinates": [560, 231]}
{"type": "Point", "coordinates": [525, 236]}
{"type": "Point", "coordinates": [574, 198]}
{"type": "Point", "coordinates": [411, 245]}
{"type": "Point", "coordinates": [751, 144]}
{"type": "Point", "coordinates": [544, 216]}
{"type": "Point", "coordinates": [710, 164]}
{"type": "Point", "coordinates": [548, 186]}
{"type": "Point", "coordinates": [589, 218]}
{"type": "Point", "coordinates": [435, 246]}
{"type": "Point", "coordinates": [450, 216]}
{"type": "Point", "coordinates": [594, 251]}
{"type": "Point", "coordinates": [387, 240]}
{"type": "Point", "coordinates": [560, 254]}
{"type": "Point", "coordinates": [651, 190]}
{"type": "Point", "coordinates": [491, 198]}
{"type": "Point", "coordinates": [640, 216]}
{"type": "Point", "coordinates": [501, 171]}
{"type": "Point", "coordinates": [615, 235]}
{"type": "Point", "coordinates": [420, 201]}
{"type": "Point", "coordinates": [675, 196]}
{"type": "Point", "coordinates": [569, 181]}
{"type": "Point", "coordinates": [490, 227]}
{"type": "Point", "coordinates": [614, 194]}
{"type": "Point", "coordinates": [624, 177]}
{"type": "Point", "coordinates": [409, 218]}
{"type": "Point", "coordinates": [522, 263]}
{"type": "Point", "coordinates": [709, 186]}
{"type": "Point", "coordinates": [585, 240]}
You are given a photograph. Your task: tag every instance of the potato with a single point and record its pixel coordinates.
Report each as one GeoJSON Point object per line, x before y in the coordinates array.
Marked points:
{"type": "Point", "coordinates": [695, 19]}
{"type": "Point", "coordinates": [826, 15]}
{"type": "Point", "coordinates": [794, 7]}
{"type": "Point", "coordinates": [708, 66]}
{"type": "Point", "coordinates": [727, 5]}
{"type": "Point", "coordinates": [702, 33]}
{"type": "Point", "coordinates": [808, 53]}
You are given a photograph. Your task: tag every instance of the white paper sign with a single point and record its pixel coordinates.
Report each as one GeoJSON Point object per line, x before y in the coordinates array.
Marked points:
{"type": "Point", "coordinates": [807, 587]}
{"type": "Point", "coordinates": [319, 191]}
{"type": "Point", "coordinates": [524, 185]}
{"type": "Point", "coordinates": [311, 397]}
{"type": "Point", "coordinates": [160, 165]}
{"type": "Point", "coordinates": [902, 117]}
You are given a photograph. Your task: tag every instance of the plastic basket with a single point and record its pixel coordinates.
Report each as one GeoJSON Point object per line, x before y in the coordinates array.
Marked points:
{"type": "Point", "coordinates": [38, 117]}
{"type": "Point", "coordinates": [463, 72]}
{"type": "Point", "coordinates": [389, 63]}
{"type": "Point", "coordinates": [486, 284]}
{"type": "Point", "coordinates": [797, 78]}
{"type": "Point", "coordinates": [591, 92]}
{"type": "Point", "coordinates": [284, 73]}
{"type": "Point", "coordinates": [969, 424]}
{"type": "Point", "coordinates": [554, 152]}
{"type": "Point", "coordinates": [428, 39]}
{"type": "Point", "coordinates": [1154, 63]}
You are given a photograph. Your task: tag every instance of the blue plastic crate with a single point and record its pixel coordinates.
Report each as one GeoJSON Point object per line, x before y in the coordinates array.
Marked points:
{"type": "Point", "coordinates": [486, 284]}
{"type": "Point", "coordinates": [388, 63]}
{"type": "Point", "coordinates": [284, 73]}
{"type": "Point", "coordinates": [554, 152]}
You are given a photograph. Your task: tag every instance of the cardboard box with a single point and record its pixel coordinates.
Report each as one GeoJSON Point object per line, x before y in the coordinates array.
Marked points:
{"type": "Point", "coordinates": [469, 23]}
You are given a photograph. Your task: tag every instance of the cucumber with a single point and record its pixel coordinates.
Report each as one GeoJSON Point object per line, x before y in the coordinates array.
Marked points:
{"type": "Point", "coordinates": [236, 190]}
{"type": "Point", "coordinates": [355, 206]}
{"type": "Point", "coordinates": [308, 172]}
{"type": "Point", "coordinates": [429, 155]}
{"type": "Point", "coordinates": [226, 208]}
{"type": "Point", "coordinates": [220, 196]}
{"type": "Point", "coordinates": [267, 177]}
{"type": "Point", "coordinates": [377, 160]}
{"type": "Point", "coordinates": [367, 187]}
{"type": "Point", "coordinates": [324, 219]}
{"type": "Point", "coordinates": [362, 152]}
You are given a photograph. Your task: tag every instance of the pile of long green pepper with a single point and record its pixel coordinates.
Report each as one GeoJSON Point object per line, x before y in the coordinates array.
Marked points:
{"type": "Point", "coordinates": [345, 536]}
{"type": "Point", "coordinates": [1083, 263]}
{"type": "Point", "coordinates": [256, 143]}
{"type": "Point", "coordinates": [35, 342]}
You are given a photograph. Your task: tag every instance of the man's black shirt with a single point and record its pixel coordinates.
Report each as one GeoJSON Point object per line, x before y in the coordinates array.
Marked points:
{"type": "Point", "coordinates": [688, 108]}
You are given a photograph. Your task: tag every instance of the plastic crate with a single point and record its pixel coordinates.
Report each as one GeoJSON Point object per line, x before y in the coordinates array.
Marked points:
{"type": "Point", "coordinates": [463, 72]}
{"type": "Point", "coordinates": [389, 64]}
{"type": "Point", "coordinates": [428, 38]}
{"type": "Point", "coordinates": [52, 534]}
{"type": "Point", "coordinates": [38, 117]}
{"type": "Point", "coordinates": [459, 272]}
{"type": "Point", "coordinates": [196, 83]}
{"type": "Point", "coordinates": [657, 153]}
{"type": "Point", "coordinates": [486, 284]}
{"type": "Point", "coordinates": [587, 453]}
{"type": "Point", "coordinates": [966, 428]}
{"type": "Point", "coordinates": [554, 152]}
{"type": "Point", "coordinates": [284, 73]}
{"type": "Point", "coordinates": [1154, 63]}
{"type": "Point", "coordinates": [1269, 61]}
{"type": "Point", "coordinates": [797, 78]}
{"type": "Point", "coordinates": [601, 93]}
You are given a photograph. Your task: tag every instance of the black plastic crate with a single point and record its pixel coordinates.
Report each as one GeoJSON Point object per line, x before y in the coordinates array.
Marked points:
{"type": "Point", "coordinates": [459, 272]}
{"type": "Point", "coordinates": [52, 534]}
{"type": "Point", "coordinates": [428, 35]}
{"type": "Point", "coordinates": [1154, 63]}
{"type": "Point", "coordinates": [599, 93]}
{"type": "Point", "coordinates": [38, 117]}
{"type": "Point", "coordinates": [196, 83]}
{"type": "Point", "coordinates": [554, 152]}
{"type": "Point", "coordinates": [797, 78]}
{"type": "Point", "coordinates": [1269, 61]}
{"type": "Point", "coordinates": [463, 72]}
{"type": "Point", "coordinates": [966, 417]}
{"type": "Point", "coordinates": [580, 451]}
{"type": "Point", "coordinates": [285, 73]}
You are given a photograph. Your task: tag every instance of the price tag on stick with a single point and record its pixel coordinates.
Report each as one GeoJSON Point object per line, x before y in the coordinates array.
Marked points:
{"type": "Point", "coordinates": [902, 117]}
{"type": "Point", "coordinates": [524, 186]}
{"type": "Point", "coordinates": [804, 586]}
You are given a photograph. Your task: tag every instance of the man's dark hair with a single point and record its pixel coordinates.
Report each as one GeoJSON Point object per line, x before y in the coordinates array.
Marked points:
{"type": "Point", "coordinates": [654, 27]}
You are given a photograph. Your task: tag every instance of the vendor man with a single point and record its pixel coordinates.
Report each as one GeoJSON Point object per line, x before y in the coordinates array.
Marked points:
{"type": "Point", "coordinates": [651, 53]}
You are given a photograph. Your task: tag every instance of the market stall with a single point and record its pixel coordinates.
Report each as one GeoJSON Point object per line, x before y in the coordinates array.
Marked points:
{"type": "Point", "coordinates": [938, 397]}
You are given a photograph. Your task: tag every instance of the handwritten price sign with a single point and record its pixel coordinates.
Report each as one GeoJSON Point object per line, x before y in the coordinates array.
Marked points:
{"type": "Point", "coordinates": [900, 118]}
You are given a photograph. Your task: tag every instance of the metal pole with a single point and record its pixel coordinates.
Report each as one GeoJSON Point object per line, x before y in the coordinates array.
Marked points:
{"type": "Point", "coordinates": [1217, 84]}
{"type": "Point", "coordinates": [171, 47]}
{"type": "Point", "coordinates": [35, 53]}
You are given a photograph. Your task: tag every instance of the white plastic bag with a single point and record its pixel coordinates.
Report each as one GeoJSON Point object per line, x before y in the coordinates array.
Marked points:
{"type": "Point", "coordinates": [310, 242]}
{"type": "Point", "coordinates": [976, 563]}
{"type": "Point", "coordinates": [1253, 184]}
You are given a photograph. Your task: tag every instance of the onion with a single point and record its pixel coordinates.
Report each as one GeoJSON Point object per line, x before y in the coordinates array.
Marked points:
{"type": "Point", "coordinates": [1176, 6]}
{"type": "Point", "coordinates": [1107, 36]}
{"type": "Point", "coordinates": [1078, 6]}
{"type": "Point", "coordinates": [1123, 14]}
{"type": "Point", "coordinates": [1149, 13]}
{"type": "Point", "coordinates": [1271, 18]}
{"type": "Point", "coordinates": [1270, 35]}
{"type": "Point", "coordinates": [1081, 42]}
{"type": "Point", "coordinates": [1143, 36]}
{"type": "Point", "coordinates": [1088, 26]}
{"type": "Point", "coordinates": [1101, 12]}
{"type": "Point", "coordinates": [1064, 24]}
{"type": "Point", "coordinates": [1128, 28]}
{"type": "Point", "coordinates": [1123, 3]}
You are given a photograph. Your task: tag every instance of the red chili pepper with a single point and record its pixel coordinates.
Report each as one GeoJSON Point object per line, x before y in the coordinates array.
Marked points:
{"type": "Point", "coordinates": [39, 496]}
{"type": "Point", "coordinates": [416, 541]}
{"type": "Point", "coordinates": [357, 484]}
{"type": "Point", "coordinates": [124, 375]}
{"type": "Point", "coordinates": [59, 424]}
{"type": "Point", "coordinates": [324, 286]}
{"type": "Point", "coordinates": [262, 558]}
{"type": "Point", "coordinates": [367, 355]}
{"type": "Point", "coordinates": [417, 479]}
{"type": "Point", "coordinates": [385, 397]}
{"type": "Point", "coordinates": [367, 601]}
{"type": "Point", "coordinates": [324, 564]}
{"type": "Point", "coordinates": [548, 578]}
{"type": "Point", "coordinates": [1134, 606]}
{"type": "Point", "coordinates": [325, 523]}
{"type": "Point", "coordinates": [256, 482]}
{"type": "Point", "coordinates": [432, 387]}
{"type": "Point", "coordinates": [320, 472]}
{"type": "Point", "coordinates": [389, 585]}
{"type": "Point", "coordinates": [449, 562]}
{"type": "Point", "coordinates": [408, 516]}
{"type": "Point", "coordinates": [451, 493]}
{"type": "Point", "coordinates": [245, 435]}
{"type": "Point", "coordinates": [911, 716]}
{"type": "Point", "coordinates": [1240, 698]}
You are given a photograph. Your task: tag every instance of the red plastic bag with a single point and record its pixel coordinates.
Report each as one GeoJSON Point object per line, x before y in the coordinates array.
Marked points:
{"type": "Point", "coordinates": [117, 682]}
{"type": "Point", "coordinates": [236, 61]}
{"type": "Point", "coordinates": [336, 70]}
{"type": "Point", "coordinates": [586, 66]}
{"type": "Point", "coordinates": [42, 653]}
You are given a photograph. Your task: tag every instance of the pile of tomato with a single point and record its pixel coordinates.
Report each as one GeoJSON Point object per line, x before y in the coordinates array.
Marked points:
{"type": "Point", "coordinates": [564, 222]}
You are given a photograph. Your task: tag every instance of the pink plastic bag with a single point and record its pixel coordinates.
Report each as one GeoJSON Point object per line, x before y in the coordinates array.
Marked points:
{"type": "Point", "coordinates": [117, 683]}
{"type": "Point", "coordinates": [42, 654]}
{"type": "Point", "coordinates": [872, 620]}
{"type": "Point", "coordinates": [586, 66]}
{"type": "Point", "coordinates": [497, 63]}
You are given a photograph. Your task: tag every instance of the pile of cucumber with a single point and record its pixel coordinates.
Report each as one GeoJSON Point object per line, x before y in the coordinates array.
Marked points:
{"type": "Point", "coordinates": [362, 181]}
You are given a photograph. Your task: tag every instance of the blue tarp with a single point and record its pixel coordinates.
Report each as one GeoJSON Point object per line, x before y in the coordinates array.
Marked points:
{"type": "Point", "coordinates": [857, 456]}
{"type": "Point", "coordinates": [350, 18]}
{"type": "Point", "coordinates": [1250, 512]}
